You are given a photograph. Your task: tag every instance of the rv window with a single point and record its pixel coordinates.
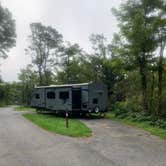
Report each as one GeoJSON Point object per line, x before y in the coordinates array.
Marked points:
{"type": "Point", "coordinates": [95, 101]}
{"type": "Point", "coordinates": [100, 93]}
{"type": "Point", "coordinates": [64, 95]}
{"type": "Point", "coordinates": [50, 95]}
{"type": "Point", "coordinates": [37, 96]}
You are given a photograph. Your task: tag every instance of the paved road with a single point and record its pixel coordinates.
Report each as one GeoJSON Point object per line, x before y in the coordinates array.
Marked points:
{"type": "Point", "coordinates": [24, 144]}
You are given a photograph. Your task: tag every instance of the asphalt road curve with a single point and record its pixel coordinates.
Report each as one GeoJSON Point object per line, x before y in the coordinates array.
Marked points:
{"type": "Point", "coordinates": [112, 144]}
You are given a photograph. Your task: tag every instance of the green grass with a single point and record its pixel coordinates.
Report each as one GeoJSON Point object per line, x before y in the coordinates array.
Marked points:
{"type": "Point", "coordinates": [24, 108]}
{"type": "Point", "coordinates": [58, 125]}
{"type": "Point", "coordinates": [143, 125]}
{"type": "Point", "coordinates": [2, 104]}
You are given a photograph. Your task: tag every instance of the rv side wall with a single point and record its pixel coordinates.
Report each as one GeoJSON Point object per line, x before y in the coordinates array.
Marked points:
{"type": "Point", "coordinates": [85, 97]}
{"type": "Point", "coordinates": [98, 96]}
{"type": "Point", "coordinates": [38, 98]}
{"type": "Point", "coordinates": [93, 96]}
{"type": "Point", "coordinates": [62, 101]}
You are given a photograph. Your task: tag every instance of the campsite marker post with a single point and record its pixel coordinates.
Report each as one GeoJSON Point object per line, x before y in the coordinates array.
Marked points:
{"type": "Point", "coordinates": [67, 120]}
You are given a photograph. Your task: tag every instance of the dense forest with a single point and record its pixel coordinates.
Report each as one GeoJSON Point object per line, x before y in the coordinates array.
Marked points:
{"type": "Point", "coordinates": [132, 65]}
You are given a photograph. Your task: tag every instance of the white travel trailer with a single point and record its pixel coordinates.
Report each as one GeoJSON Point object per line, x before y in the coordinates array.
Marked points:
{"type": "Point", "coordinates": [74, 98]}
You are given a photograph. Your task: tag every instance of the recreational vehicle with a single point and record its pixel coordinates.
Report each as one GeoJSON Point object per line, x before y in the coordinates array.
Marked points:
{"type": "Point", "coordinates": [73, 98]}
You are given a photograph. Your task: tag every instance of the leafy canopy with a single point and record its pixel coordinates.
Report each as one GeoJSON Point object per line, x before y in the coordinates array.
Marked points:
{"type": "Point", "coordinates": [7, 32]}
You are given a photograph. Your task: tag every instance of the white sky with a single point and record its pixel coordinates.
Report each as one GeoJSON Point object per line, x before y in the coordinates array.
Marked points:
{"type": "Point", "coordinates": [74, 19]}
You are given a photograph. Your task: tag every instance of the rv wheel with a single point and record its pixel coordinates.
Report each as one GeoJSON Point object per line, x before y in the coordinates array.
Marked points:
{"type": "Point", "coordinates": [97, 110]}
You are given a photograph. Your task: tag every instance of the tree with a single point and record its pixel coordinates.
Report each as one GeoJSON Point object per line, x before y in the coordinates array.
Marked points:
{"type": "Point", "coordinates": [160, 26]}
{"type": "Point", "coordinates": [99, 45]}
{"type": "Point", "coordinates": [71, 73]}
{"type": "Point", "coordinates": [136, 27]}
{"type": "Point", "coordinates": [101, 51]}
{"type": "Point", "coordinates": [7, 32]}
{"type": "Point", "coordinates": [70, 57]}
{"type": "Point", "coordinates": [28, 79]}
{"type": "Point", "coordinates": [9, 93]}
{"type": "Point", "coordinates": [45, 42]}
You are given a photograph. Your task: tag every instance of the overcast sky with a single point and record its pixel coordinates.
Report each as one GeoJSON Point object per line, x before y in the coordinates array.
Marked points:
{"type": "Point", "coordinates": [74, 19]}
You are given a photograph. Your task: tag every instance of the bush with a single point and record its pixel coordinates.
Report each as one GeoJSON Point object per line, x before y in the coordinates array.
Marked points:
{"type": "Point", "coordinates": [126, 108]}
{"type": "Point", "coordinates": [160, 123]}
{"type": "Point", "coordinates": [134, 112]}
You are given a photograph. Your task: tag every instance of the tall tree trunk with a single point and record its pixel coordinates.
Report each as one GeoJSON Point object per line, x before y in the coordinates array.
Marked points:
{"type": "Point", "coordinates": [68, 63]}
{"type": "Point", "coordinates": [40, 77]}
{"type": "Point", "coordinates": [152, 85]}
{"type": "Point", "coordinates": [151, 109]}
{"type": "Point", "coordinates": [47, 53]}
{"type": "Point", "coordinates": [144, 83]}
{"type": "Point", "coordinates": [46, 79]}
{"type": "Point", "coordinates": [160, 77]}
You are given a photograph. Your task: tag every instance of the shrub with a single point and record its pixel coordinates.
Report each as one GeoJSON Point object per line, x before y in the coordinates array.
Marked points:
{"type": "Point", "coordinates": [126, 108]}
{"type": "Point", "coordinates": [160, 123]}
{"type": "Point", "coordinates": [134, 112]}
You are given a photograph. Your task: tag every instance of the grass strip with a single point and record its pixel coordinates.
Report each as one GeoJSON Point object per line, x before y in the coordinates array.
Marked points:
{"type": "Point", "coordinates": [24, 108]}
{"type": "Point", "coordinates": [57, 125]}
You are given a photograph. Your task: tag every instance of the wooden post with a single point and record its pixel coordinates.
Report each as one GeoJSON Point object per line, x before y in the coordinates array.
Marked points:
{"type": "Point", "coordinates": [67, 120]}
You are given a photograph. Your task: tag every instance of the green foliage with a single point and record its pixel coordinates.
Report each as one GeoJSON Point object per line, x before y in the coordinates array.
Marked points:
{"type": "Point", "coordinates": [45, 43]}
{"type": "Point", "coordinates": [137, 29]}
{"type": "Point", "coordinates": [7, 32]}
{"type": "Point", "coordinates": [57, 125]}
{"type": "Point", "coordinates": [70, 66]}
{"type": "Point", "coordinates": [28, 79]}
{"type": "Point", "coordinates": [129, 65]}
{"type": "Point", "coordinates": [19, 92]}
{"type": "Point", "coordinates": [24, 108]}
{"type": "Point", "coordinates": [124, 109]}
{"type": "Point", "coordinates": [142, 34]}
{"type": "Point", "coordinates": [9, 93]}
{"type": "Point", "coordinates": [100, 45]}
{"type": "Point", "coordinates": [134, 112]}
